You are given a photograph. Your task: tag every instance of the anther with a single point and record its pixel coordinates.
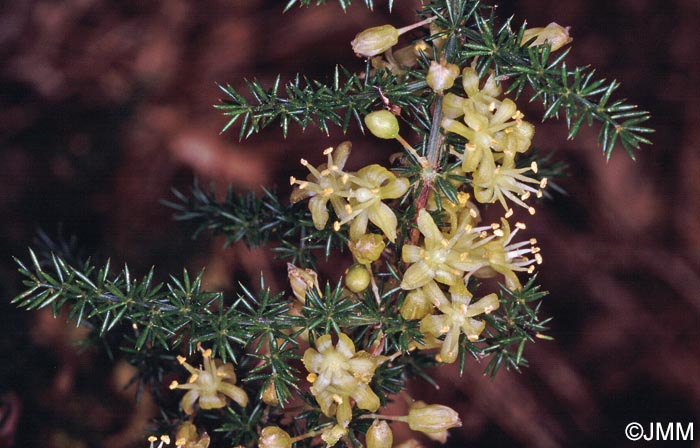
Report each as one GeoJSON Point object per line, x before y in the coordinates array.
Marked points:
{"type": "Point", "coordinates": [303, 162]}
{"type": "Point", "coordinates": [531, 210]}
{"type": "Point", "coordinates": [292, 180]}
{"type": "Point", "coordinates": [327, 151]}
{"type": "Point", "coordinates": [520, 225]}
{"type": "Point", "coordinates": [534, 167]}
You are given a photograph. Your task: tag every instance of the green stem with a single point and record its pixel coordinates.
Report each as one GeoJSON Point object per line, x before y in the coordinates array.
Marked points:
{"type": "Point", "coordinates": [435, 139]}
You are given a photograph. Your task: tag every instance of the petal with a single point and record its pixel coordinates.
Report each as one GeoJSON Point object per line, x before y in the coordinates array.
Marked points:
{"type": "Point", "coordinates": [235, 393]}
{"type": "Point", "coordinates": [434, 325]}
{"type": "Point", "coordinates": [341, 154]}
{"type": "Point", "coordinates": [358, 226]}
{"type": "Point", "coordinates": [428, 228]}
{"type": "Point", "coordinates": [470, 81]}
{"type": "Point", "coordinates": [211, 401]}
{"type": "Point", "coordinates": [450, 348]}
{"type": "Point", "coordinates": [452, 106]}
{"type": "Point", "coordinates": [410, 253]}
{"type": "Point", "coordinates": [504, 112]}
{"type": "Point", "coordinates": [473, 328]}
{"type": "Point", "coordinates": [447, 276]}
{"type": "Point", "coordinates": [363, 365]}
{"type": "Point", "coordinates": [366, 398]}
{"type": "Point", "coordinates": [188, 401]}
{"type": "Point", "coordinates": [382, 216]}
{"type": "Point", "coordinates": [435, 294]}
{"type": "Point", "coordinates": [312, 360]}
{"type": "Point", "coordinates": [376, 175]}
{"type": "Point", "coordinates": [484, 305]}
{"type": "Point", "coordinates": [324, 343]}
{"type": "Point", "coordinates": [345, 346]}
{"type": "Point", "coordinates": [417, 275]}
{"type": "Point", "coordinates": [319, 212]}
{"type": "Point", "coordinates": [394, 189]}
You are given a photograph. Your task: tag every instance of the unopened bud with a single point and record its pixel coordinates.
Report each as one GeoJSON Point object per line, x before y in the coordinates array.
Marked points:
{"type": "Point", "coordinates": [375, 40]}
{"type": "Point", "coordinates": [274, 437]}
{"type": "Point", "coordinates": [357, 278]}
{"type": "Point", "coordinates": [382, 124]}
{"type": "Point", "coordinates": [416, 305]}
{"type": "Point", "coordinates": [269, 395]}
{"type": "Point", "coordinates": [432, 418]}
{"type": "Point", "coordinates": [379, 435]}
{"type": "Point", "coordinates": [441, 76]}
{"type": "Point", "coordinates": [553, 34]}
{"type": "Point", "coordinates": [301, 280]}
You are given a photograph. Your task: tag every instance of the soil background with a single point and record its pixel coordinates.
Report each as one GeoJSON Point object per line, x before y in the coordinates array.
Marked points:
{"type": "Point", "coordinates": [106, 105]}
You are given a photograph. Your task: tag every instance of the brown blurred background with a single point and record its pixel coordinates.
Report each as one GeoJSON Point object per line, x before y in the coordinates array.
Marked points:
{"type": "Point", "coordinates": [104, 105]}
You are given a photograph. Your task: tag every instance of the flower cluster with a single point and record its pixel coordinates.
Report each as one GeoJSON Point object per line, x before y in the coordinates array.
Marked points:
{"type": "Point", "coordinates": [495, 133]}
{"type": "Point", "coordinates": [356, 197]}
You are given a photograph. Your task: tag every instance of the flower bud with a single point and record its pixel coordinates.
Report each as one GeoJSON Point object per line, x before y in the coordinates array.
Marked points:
{"type": "Point", "coordinates": [382, 124]}
{"type": "Point", "coordinates": [274, 437]}
{"type": "Point", "coordinates": [374, 41]}
{"type": "Point", "coordinates": [379, 435]}
{"type": "Point", "coordinates": [416, 305]}
{"type": "Point", "coordinates": [441, 76]}
{"type": "Point", "coordinates": [368, 248]}
{"type": "Point", "coordinates": [432, 418]}
{"type": "Point", "coordinates": [357, 278]}
{"type": "Point", "coordinates": [269, 395]}
{"type": "Point", "coordinates": [301, 280]}
{"type": "Point", "coordinates": [553, 34]}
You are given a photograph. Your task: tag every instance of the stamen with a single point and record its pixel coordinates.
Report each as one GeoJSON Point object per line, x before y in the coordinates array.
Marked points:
{"type": "Point", "coordinates": [181, 359]}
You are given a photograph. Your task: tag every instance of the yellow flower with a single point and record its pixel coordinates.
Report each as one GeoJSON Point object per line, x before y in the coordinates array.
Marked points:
{"type": "Point", "coordinates": [492, 182]}
{"type": "Point", "coordinates": [499, 255]}
{"type": "Point", "coordinates": [442, 258]}
{"type": "Point", "coordinates": [188, 437]}
{"type": "Point", "coordinates": [501, 130]}
{"type": "Point", "coordinates": [483, 100]}
{"type": "Point", "coordinates": [209, 385]}
{"type": "Point", "coordinates": [339, 373]}
{"type": "Point", "coordinates": [326, 183]}
{"type": "Point", "coordinates": [370, 186]}
{"type": "Point", "coordinates": [456, 317]}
